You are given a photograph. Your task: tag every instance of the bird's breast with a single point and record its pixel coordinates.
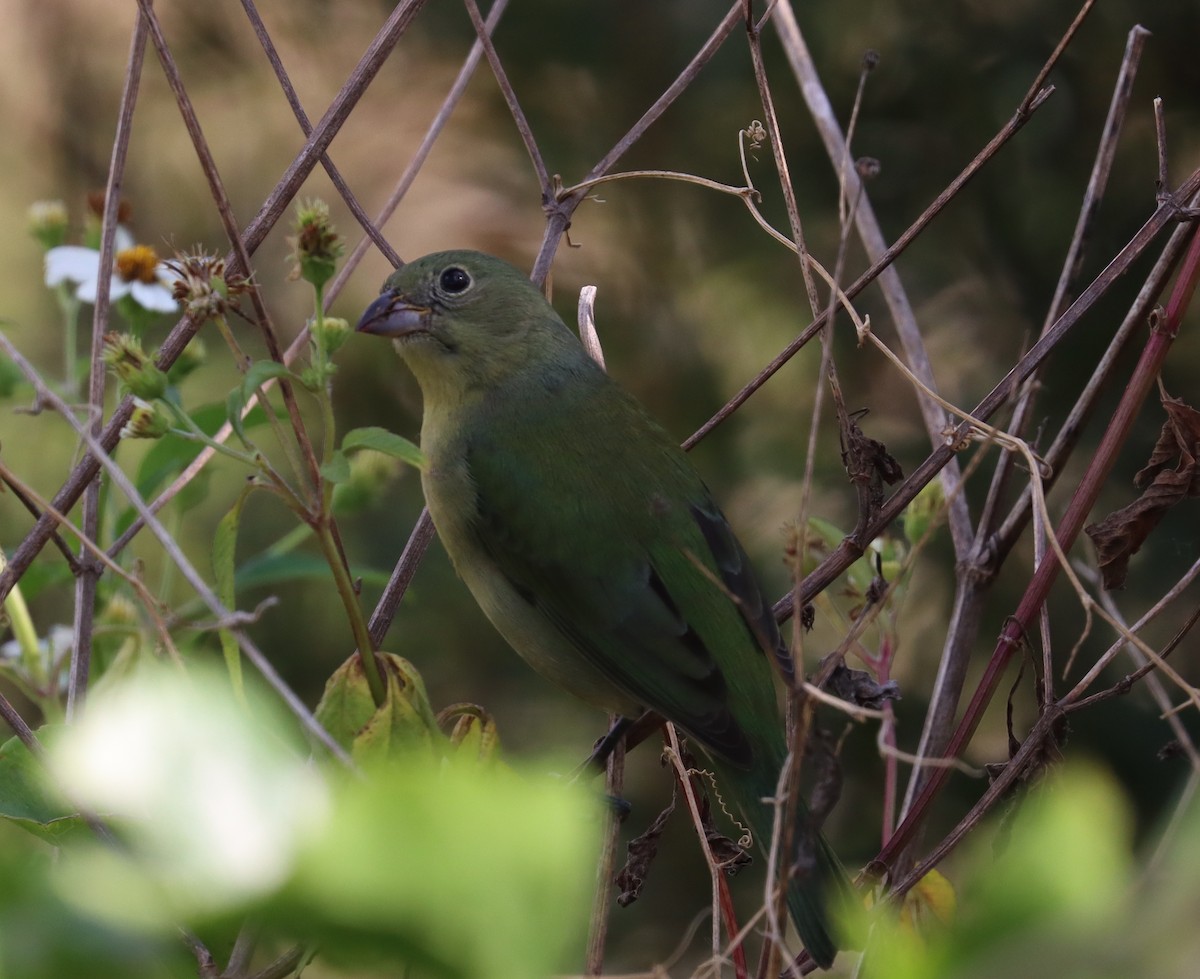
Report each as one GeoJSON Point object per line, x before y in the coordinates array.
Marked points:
{"type": "Point", "coordinates": [451, 494]}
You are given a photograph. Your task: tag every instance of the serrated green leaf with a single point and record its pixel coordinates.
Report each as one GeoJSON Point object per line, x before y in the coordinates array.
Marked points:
{"type": "Point", "coordinates": [346, 705]}
{"type": "Point", "coordinates": [381, 440]}
{"type": "Point", "coordinates": [404, 724]}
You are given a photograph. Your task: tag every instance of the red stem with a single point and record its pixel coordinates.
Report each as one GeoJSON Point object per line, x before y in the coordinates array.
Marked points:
{"type": "Point", "coordinates": [1144, 375]}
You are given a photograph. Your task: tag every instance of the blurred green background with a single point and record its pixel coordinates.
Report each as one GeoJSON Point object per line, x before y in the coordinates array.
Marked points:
{"type": "Point", "coordinates": [693, 296]}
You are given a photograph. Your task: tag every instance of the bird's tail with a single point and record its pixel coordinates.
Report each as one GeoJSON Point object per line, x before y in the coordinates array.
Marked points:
{"type": "Point", "coordinates": [819, 886]}
{"type": "Point", "coordinates": [815, 893]}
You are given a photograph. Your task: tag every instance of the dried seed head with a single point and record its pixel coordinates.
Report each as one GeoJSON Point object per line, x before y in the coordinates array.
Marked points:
{"type": "Point", "coordinates": [203, 284]}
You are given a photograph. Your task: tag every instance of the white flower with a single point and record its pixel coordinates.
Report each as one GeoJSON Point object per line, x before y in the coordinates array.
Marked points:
{"type": "Point", "coordinates": [212, 801]}
{"type": "Point", "coordinates": [137, 272]}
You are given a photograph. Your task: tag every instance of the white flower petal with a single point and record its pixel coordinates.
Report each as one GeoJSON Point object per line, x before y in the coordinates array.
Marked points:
{"type": "Point", "coordinates": [72, 263]}
{"type": "Point", "coordinates": [153, 296]}
{"type": "Point", "coordinates": [86, 292]}
{"type": "Point", "coordinates": [123, 239]}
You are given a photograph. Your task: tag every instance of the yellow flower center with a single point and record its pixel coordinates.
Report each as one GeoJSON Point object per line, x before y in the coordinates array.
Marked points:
{"type": "Point", "coordinates": [138, 264]}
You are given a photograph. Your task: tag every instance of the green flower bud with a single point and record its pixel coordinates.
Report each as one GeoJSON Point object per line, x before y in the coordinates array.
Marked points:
{"type": "Point", "coordinates": [148, 421]}
{"type": "Point", "coordinates": [48, 223]}
{"type": "Point", "coordinates": [403, 727]}
{"type": "Point", "coordinates": [331, 333]}
{"type": "Point", "coordinates": [316, 247]}
{"type": "Point", "coordinates": [124, 354]}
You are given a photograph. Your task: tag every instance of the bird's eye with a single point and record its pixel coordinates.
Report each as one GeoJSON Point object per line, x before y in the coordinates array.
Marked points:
{"type": "Point", "coordinates": [455, 280]}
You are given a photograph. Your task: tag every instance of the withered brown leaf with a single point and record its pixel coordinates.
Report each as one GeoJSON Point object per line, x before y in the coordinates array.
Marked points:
{"type": "Point", "coordinates": [1171, 475]}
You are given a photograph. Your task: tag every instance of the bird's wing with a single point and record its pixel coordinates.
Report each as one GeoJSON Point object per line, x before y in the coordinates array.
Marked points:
{"type": "Point", "coordinates": [640, 574]}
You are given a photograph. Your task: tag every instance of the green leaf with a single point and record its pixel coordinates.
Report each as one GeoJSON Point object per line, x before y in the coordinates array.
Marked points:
{"type": "Point", "coordinates": [457, 871]}
{"type": "Point", "coordinates": [346, 705]}
{"type": "Point", "coordinates": [381, 440]}
{"type": "Point", "coordinates": [26, 801]}
{"type": "Point", "coordinates": [337, 469]}
{"type": "Point", "coordinates": [402, 726]}
{"type": "Point", "coordinates": [271, 569]}
{"type": "Point", "coordinates": [233, 412]}
{"type": "Point", "coordinates": [171, 454]}
{"type": "Point", "coordinates": [224, 558]}
{"type": "Point", "coordinates": [260, 372]}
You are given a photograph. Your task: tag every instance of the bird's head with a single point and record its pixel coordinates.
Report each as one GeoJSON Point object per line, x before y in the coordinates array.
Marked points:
{"type": "Point", "coordinates": [464, 319]}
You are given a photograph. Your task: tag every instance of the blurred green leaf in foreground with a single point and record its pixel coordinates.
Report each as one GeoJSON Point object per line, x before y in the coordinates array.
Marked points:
{"type": "Point", "coordinates": [452, 867]}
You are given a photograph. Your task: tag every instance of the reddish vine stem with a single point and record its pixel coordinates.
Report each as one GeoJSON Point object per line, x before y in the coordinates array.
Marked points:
{"type": "Point", "coordinates": [972, 588]}
{"type": "Point", "coordinates": [1142, 381]}
{"type": "Point", "coordinates": [851, 549]}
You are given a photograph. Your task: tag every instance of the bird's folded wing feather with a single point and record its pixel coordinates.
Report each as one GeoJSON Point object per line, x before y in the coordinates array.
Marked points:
{"type": "Point", "coordinates": [638, 571]}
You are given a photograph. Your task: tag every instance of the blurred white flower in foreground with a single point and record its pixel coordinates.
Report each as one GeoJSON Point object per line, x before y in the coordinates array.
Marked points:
{"type": "Point", "coordinates": [137, 273]}
{"type": "Point", "coordinates": [211, 802]}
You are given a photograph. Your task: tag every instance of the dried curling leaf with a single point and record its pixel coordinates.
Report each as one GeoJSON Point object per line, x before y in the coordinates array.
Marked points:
{"type": "Point", "coordinates": [641, 853]}
{"type": "Point", "coordinates": [1170, 475]}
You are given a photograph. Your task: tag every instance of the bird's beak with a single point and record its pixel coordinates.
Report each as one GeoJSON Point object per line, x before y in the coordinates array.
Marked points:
{"type": "Point", "coordinates": [392, 315]}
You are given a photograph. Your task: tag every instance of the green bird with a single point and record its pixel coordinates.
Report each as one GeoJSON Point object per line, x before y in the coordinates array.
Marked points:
{"type": "Point", "coordinates": [590, 541]}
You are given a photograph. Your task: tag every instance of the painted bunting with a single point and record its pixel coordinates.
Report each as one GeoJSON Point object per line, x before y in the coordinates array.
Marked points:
{"type": "Point", "coordinates": [589, 539]}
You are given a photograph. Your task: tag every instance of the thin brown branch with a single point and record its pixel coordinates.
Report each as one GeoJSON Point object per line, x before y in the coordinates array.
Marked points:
{"type": "Point", "coordinates": [1016, 768]}
{"type": "Point", "coordinates": [1126, 683]}
{"type": "Point", "coordinates": [614, 785]}
{"type": "Point", "coordinates": [402, 575]}
{"type": "Point", "coordinates": [1141, 382]}
{"type": "Point", "coordinates": [973, 586]}
{"type": "Point", "coordinates": [453, 97]}
{"type": "Point", "coordinates": [1003, 136]}
{"type": "Point", "coordinates": [851, 549]}
{"type": "Point", "coordinates": [1072, 263]}
{"type": "Point", "coordinates": [225, 209]}
{"type": "Point", "coordinates": [268, 215]}
{"type": "Point", "coordinates": [89, 570]}
{"type": "Point", "coordinates": [510, 99]}
{"type": "Point", "coordinates": [561, 209]}
{"type": "Point", "coordinates": [335, 175]}
{"type": "Point", "coordinates": [781, 165]}
{"type": "Point", "coordinates": [27, 502]}
{"type": "Point", "coordinates": [871, 234]}
{"type": "Point", "coordinates": [335, 287]}
{"type": "Point", "coordinates": [995, 548]}
{"type": "Point", "coordinates": [12, 717]}
{"type": "Point", "coordinates": [174, 553]}
{"type": "Point", "coordinates": [1035, 90]}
